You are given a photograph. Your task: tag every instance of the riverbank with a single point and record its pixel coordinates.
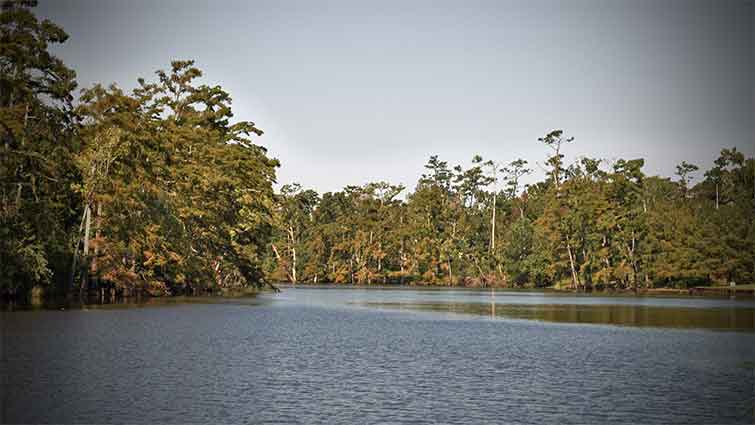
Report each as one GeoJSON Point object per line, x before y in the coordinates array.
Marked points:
{"type": "Point", "coordinates": [739, 290]}
{"type": "Point", "coordinates": [52, 301]}
{"type": "Point", "coordinates": [704, 291]}
{"type": "Point", "coordinates": [41, 300]}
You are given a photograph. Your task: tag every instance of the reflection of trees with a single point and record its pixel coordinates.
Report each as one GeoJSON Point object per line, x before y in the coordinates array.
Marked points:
{"type": "Point", "coordinates": [624, 315]}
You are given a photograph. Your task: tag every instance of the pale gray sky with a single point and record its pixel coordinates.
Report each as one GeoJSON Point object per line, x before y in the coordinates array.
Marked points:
{"type": "Point", "coordinates": [355, 91]}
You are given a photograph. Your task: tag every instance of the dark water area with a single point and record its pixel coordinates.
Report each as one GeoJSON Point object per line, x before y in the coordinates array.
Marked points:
{"type": "Point", "coordinates": [721, 318]}
{"type": "Point", "coordinates": [347, 356]}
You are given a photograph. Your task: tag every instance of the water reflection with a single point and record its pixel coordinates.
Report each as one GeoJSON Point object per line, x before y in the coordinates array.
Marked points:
{"type": "Point", "coordinates": [624, 315]}
{"type": "Point", "coordinates": [75, 303]}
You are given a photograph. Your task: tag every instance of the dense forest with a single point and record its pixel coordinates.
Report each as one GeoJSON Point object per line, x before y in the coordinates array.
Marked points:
{"type": "Point", "coordinates": [161, 190]}
{"type": "Point", "coordinates": [593, 224]}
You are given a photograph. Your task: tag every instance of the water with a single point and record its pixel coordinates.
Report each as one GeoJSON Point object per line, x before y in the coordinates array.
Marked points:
{"type": "Point", "coordinates": [384, 356]}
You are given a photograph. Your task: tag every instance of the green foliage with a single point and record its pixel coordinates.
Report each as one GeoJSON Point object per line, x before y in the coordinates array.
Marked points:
{"type": "Point", "coordinates": [595, 226]}
{"type": "Point", "coordinates": [37, 150]}
{"type": "Point", "coordinates": [157, 189]}
{"type": "Point", "coordinates": [183, 198]}
{"type": "Point", "coordinates": [524, 259]}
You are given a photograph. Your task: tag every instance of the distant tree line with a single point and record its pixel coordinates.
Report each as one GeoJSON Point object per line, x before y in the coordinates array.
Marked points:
{"type": "Point", "coordinates": [154, 190]}
{"type": "Point", "coordinates": [589, 225]}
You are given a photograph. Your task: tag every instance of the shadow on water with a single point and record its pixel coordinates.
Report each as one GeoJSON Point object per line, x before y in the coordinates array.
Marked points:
{"type": "Point", "coordinates": [740, 319]}
{"type": "Point", "coordinates": [93, 303]}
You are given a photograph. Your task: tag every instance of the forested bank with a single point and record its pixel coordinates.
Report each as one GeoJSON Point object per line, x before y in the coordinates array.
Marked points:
{"type": "Point", "coordinates": [592, 224]}
{"type": "Point", "coordinates": [161, 190]}
{"type": "Point", "coordinates": [154, 190]}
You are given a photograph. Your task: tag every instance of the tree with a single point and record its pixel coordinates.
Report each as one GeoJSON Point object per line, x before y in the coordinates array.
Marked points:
{"type": "Point", "coordinates": [183, 197]}
{"type": "Point", "coordinates": [295, 214]}
{"type": "Point", "coordinates": [515, 171]}
{"type": "Point", "coordinates": [494, 168]}
{"type": "Point", "coordinates": [684, 171]}
{"type": "Point", "coordinates": [555, 140]}
{"type": "Point", "coordinates": [36, 152]}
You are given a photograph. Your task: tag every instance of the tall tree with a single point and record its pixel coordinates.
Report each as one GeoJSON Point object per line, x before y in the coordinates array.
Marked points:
{"type": "Point", "coordinates": [36, 151]}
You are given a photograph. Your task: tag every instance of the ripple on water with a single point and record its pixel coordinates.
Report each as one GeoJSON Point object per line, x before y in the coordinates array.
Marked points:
{"type": "Point", "coordinates": [307, 360]}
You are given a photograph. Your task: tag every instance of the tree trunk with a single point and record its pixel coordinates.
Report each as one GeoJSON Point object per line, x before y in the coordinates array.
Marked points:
{"type": "Point", "coordinates": [74, 262]}
{"type": "Point", "coordinates": [85, 254]}
{"type": "Point", "coordinates": [293, 267]}
{"type": "Point", "coordinates": [97, 225]}
{"type": "Point", "coordinates": [280, 260]}
{"type": "Point", "coordinates": [575, 279]}
{"type": "Point", "coordinates": [492, 227]}
{"type": "Point", "coordinates": [292, 245]}
{"type": "Point", "coordinates": [634, 264]}
{"type": "Point", "coordinates": [87, 229]}
{"type": "Point", "coordinates": [367, 261]}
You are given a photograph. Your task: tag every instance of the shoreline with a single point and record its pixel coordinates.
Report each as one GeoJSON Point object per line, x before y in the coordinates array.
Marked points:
{"type": "Point", "coordinates": [57, 301]}
{"type": "Point", "coordinates": [700, 291]}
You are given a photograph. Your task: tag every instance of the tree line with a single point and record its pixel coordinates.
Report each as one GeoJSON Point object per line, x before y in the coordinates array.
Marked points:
{"type": "Point", "coordinates": [156, 189]}
{"type": "Point", "coordinates": [160, 190]}
{"type": "Point", "coordinates": [591, 224]}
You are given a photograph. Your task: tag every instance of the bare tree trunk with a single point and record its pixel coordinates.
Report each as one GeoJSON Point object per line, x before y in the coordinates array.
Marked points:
{"type": "Point", "coordinates": [74, 262]}
{"type": "Point", "coordinates": [293, 267]}
{"type": "Point", "coordinates": [97, 225]}
{"type": "Point", "coordinates": [492, 226]}
{"type": "Point", "coordinates": [367, 261]}
{"type": "Point", "coordinates": [575, 279]}
{"type": "Point", "coordinates": [280, 260]}
{"type": "Point", "coordinates": [402, 254]}
{"type": "Point", "coordinates": [87, 229]}
{"type": "Point", "coordinates": [292, 243]}
{"type": "Point", "coordinates": [634, 264]}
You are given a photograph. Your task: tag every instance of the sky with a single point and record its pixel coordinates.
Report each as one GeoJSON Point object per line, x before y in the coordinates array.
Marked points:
{"type": "Point", "coordinates": [350, 91]}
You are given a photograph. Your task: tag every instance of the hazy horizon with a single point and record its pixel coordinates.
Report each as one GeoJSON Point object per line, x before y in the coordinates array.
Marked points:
{"type": "Point", "coordinates": [352, 92]}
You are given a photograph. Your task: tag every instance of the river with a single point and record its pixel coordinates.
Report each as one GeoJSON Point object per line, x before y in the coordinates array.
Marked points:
{"type": "Point", "coordinates": [353, 356]}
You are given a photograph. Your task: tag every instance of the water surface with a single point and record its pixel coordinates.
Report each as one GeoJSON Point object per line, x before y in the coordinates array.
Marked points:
{"type": "Point", "coordinates": [384, 356]}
